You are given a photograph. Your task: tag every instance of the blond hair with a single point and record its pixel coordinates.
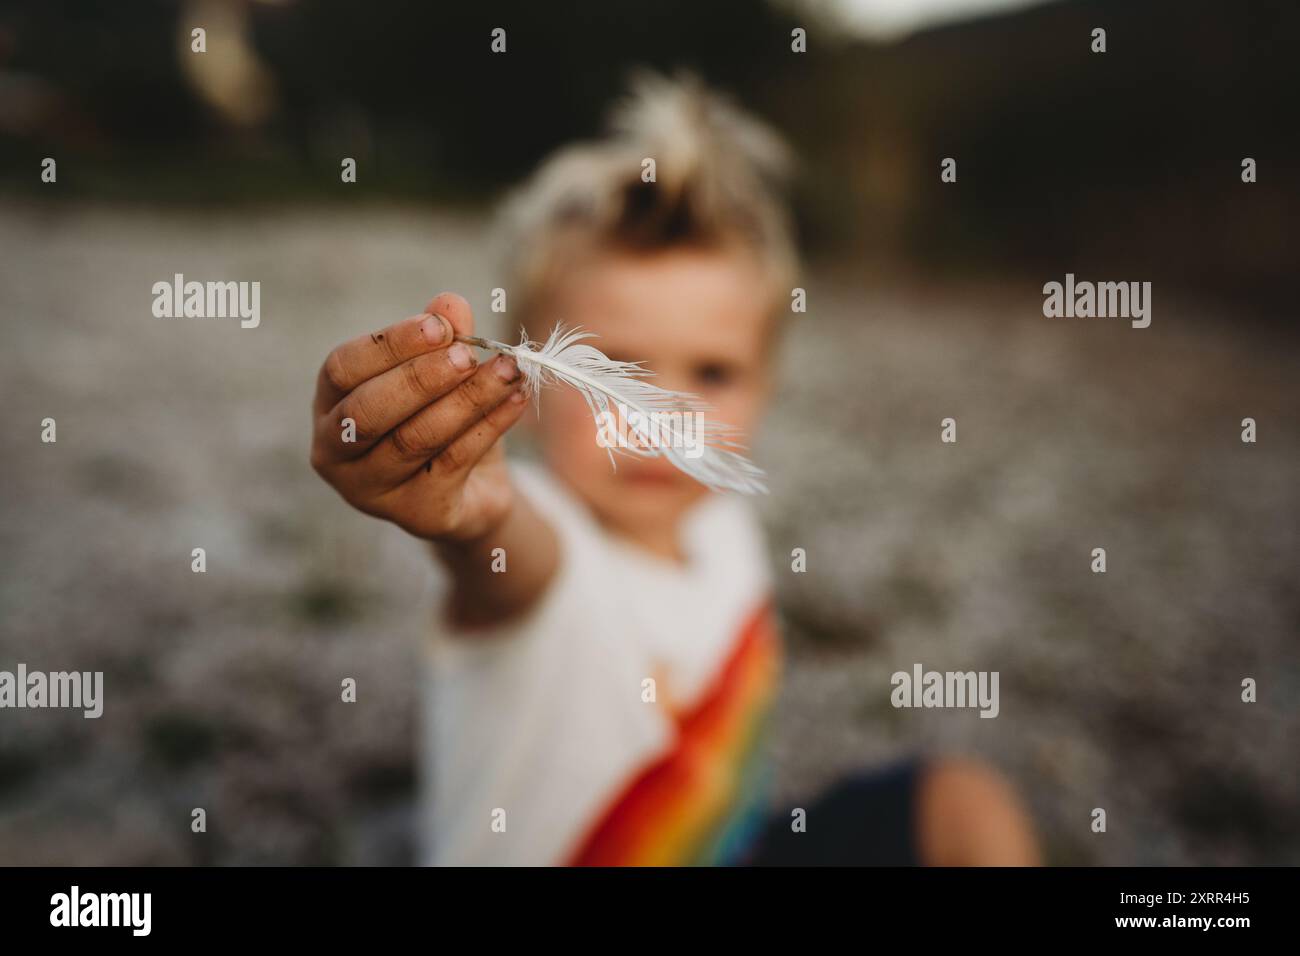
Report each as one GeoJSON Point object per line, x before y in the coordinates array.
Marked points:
{"type": "Point", "coordinates": [718, 171]}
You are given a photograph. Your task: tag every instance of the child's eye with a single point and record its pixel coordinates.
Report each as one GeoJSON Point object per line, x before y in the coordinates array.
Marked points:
{"type": "Point", "coordinates": [714, 374]}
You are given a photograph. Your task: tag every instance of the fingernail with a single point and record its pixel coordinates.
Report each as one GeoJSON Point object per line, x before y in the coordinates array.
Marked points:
{"type": "Point", "coordinates": [517, 396]}
{"type": "Point", "coordinates": [506, 368]}
{"type": "Point", "coordinates": [436, 330]}
{"type": "Point", "coordinates": [460, 356]}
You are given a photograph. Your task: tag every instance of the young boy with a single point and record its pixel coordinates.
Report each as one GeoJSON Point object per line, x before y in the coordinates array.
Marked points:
{"type": "Point", "coordinates": [606, 656]}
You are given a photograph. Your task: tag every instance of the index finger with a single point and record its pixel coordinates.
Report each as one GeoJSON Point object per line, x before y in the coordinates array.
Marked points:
{"type": "Point", "coordinates": [362, 358]}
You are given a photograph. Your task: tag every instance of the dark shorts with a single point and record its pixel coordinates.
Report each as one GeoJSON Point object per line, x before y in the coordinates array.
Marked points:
{"type": "Point", "coordinates": [866, 819]}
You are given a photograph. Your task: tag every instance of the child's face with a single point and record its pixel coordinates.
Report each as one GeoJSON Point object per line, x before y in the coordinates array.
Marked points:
{"type": "Point", "coordinates": [699, 320]}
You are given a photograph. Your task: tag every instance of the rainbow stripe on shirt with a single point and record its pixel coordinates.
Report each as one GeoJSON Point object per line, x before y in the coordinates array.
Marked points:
{"type": "Point", "coordinates": [704, 801]}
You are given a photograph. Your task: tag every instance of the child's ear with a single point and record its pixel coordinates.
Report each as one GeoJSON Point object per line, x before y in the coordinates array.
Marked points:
{"type": "Point", "coordinates": [767, 371]}
{"type": "Point", "coordinates": [766, 382]}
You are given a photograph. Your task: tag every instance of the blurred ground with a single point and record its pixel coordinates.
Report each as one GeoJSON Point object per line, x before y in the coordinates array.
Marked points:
{"type": "Point", "coordinates": [1118, 690]}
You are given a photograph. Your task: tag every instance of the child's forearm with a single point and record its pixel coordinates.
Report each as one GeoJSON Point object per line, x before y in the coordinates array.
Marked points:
{"type": "Point", "coordinates": [501, 575]}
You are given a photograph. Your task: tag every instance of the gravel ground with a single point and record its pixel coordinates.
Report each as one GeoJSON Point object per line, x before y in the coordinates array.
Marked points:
{"type": "Point", "coordinates": [1119, 690]}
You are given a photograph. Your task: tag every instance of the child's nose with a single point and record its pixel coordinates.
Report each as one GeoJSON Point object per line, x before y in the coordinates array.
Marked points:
{"type": "Point", "coordinates": [673, 378]}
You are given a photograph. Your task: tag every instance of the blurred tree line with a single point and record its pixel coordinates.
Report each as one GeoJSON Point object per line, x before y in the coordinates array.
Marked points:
{"type": "Point", "coordinates": [1124, 165]}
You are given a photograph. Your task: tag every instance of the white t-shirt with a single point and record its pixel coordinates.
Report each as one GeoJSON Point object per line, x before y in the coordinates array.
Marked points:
{"type": "Point", "coordinates": [544, 743]}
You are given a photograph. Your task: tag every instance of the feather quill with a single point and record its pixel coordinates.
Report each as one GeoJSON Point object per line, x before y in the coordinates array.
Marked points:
{"type": "Point", "coordinates": [565, 359]}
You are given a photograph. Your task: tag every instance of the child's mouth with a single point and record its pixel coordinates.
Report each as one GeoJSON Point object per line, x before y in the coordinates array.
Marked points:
{"type": "Point", "coordinates": [650, 478]}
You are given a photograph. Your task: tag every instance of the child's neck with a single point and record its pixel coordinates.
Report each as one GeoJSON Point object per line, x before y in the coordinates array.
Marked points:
{"type": "Point", "coordinates": [661, 541]}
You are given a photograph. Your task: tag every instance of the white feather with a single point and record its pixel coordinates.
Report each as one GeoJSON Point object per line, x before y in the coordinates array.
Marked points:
{"type": "Point", "coordinates": [603, 382]}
